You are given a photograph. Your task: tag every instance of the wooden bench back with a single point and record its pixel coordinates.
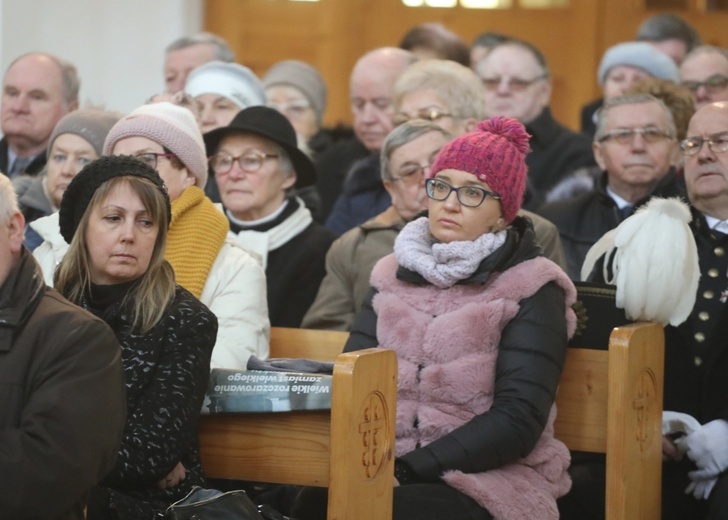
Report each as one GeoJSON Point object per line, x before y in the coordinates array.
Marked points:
{"type": "Point", "coordinates": [350, 449]}
{"type": "Point", "coordinates": [610, 401]}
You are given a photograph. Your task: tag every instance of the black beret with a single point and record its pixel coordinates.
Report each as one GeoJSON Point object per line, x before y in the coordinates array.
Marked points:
{"type": "Point", "coordinates": [81, 189]}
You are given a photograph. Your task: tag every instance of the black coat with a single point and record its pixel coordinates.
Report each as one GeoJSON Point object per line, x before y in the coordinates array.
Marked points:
{"type": "Point", "coordinates": [332, 167]}
{"type": "Point", "coordinates": [35, 166]}
{"type": "Point", "coordinates": [588, 126]}
{"type": "Point", "coordinates": [294, 271]}
{"type": "Point", "coordinates": [167, 372]}
{"type": "Point", "coordinates": [363, 197]}
{"type": "Point", "coordinates": [555, 153]}
{"type": "Point", "coordinates": [584, 219]}
{"type": "Point", "coordinates": [696, 352]}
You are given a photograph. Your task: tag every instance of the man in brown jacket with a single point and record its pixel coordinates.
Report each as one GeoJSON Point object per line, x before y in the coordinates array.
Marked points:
{"type": "Point", "coordinates": [62, 404]}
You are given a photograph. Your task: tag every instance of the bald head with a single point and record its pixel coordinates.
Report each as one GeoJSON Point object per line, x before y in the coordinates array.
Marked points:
{"type": "Point", "coordinates": [706, 166]}
{"type": "Point", "coordinates": [370, 90]}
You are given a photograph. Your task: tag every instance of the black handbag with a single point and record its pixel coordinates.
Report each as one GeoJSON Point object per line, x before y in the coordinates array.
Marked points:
{"type": "Point", "coordinates": [211, 504]}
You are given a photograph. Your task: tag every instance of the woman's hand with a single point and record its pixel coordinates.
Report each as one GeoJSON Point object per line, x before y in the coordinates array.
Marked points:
{"type": "Point", "coordinates": [175, 476]}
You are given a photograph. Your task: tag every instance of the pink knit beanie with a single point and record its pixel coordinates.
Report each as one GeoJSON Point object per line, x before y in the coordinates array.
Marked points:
{"type": "Point", "coordinates": [171, 126]}
{"type": "Point", "coordinates": [496, 154]}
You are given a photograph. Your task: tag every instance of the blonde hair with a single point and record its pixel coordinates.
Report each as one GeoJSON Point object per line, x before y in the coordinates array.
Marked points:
{"type": "Point", "coordinates": [456, 85]}
{"type": "Point", "coordinates": [156, 287]}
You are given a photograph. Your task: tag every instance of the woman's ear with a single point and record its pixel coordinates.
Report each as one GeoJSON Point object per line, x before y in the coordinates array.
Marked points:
{"type": "Point", "coordinates": [290, 181]}
{"type": "Point", "coordinates": [190, 179]}
{"type": "Point", "coordinates": [499, 225]}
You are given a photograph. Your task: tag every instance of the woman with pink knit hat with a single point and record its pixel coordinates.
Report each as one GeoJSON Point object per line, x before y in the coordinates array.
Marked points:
{"type": "Point", "coordinates": [479, 320]}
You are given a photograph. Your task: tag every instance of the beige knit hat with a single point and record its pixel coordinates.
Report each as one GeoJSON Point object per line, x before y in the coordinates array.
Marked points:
{"type": "Point", "coordinates": [171, 126]}
{"type": "Point", "coordinates": [303, 77]}
{"type": "Point", "coordinates": [90, 124]}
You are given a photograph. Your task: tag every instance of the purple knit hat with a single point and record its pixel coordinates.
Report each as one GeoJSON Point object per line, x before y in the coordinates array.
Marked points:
{"type": "Point", "coordinates": [496, 154]}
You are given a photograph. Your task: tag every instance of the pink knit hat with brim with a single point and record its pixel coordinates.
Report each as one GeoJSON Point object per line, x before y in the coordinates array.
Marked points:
{"type": "Point", "coordinates": [171, 126]}
{"type": "Point", "coordinates": [496, 154]}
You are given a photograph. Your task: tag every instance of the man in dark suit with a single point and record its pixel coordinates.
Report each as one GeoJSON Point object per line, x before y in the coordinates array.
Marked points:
{"type": "Point", "coordinates": [518, 84]}
{"type": "Point", "coordinates": [696, 352]}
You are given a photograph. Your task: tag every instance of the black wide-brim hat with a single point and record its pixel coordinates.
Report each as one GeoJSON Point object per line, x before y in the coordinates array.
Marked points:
{"type": "Point", "coordinates": [269, 124]}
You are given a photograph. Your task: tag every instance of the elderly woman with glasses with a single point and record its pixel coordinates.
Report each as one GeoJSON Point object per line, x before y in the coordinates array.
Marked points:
{"type": "Point", "coordinates": [206, 262]}
{"type": "Point", "coordinates": [479, 320]}
{"type": "Point", "coordinates": [77, 139]}
{"type": "Point", "coordinates": [257, 165]}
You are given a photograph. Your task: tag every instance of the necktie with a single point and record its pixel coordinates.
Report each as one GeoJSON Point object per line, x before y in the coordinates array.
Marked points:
{"type": "Point", "coordinates": [625, 212]}
{"type": "Point", "coordinates": [19, 166]}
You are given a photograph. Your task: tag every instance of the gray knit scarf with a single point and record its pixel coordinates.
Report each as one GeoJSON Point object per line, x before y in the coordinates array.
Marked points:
{"type": "Point", "coordinates": [443, 265]}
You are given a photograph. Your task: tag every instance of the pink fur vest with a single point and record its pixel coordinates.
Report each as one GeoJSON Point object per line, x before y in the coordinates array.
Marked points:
{"type": "Point", "coordinates": [454, 334]}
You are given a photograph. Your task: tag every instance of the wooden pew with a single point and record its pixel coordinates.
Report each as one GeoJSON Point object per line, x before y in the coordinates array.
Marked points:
{"type": "Point", "coordinates": [608, 401]}
{"type": "Point", "coordinates": [611, 401]}
{"type": "Point", "coordinates": [350, 449]}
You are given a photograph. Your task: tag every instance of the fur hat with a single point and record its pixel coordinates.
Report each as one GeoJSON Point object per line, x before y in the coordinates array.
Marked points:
{"type": "Point", "coordinates": [641, 55]}
{"type": "Point", "coordinates": [496, 154]}
{"type": "Point", "coordinates": [302, 76]}
{"type": "Point", "coordinates": [231, 80]}
{"type": "Point", "coordinates": [171, 126]}
{"type": "Point", "coordinates": [81, 189]}
{"type": "Point", "coordinates": [90, 124]}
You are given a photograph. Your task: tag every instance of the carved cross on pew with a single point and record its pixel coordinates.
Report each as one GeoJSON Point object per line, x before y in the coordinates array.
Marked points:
{"type": "Point", "coordinates": [645, 398]}
{"type": "Point", "coordinates": [374, 421]}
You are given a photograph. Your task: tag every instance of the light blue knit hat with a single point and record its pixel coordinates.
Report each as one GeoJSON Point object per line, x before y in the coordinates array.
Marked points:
{"type": "Point", "coordinates": [641, 55]}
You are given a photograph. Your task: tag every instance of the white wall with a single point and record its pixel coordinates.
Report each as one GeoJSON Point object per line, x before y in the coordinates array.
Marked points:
{"type": "Point", "coordinates": [117, 45]}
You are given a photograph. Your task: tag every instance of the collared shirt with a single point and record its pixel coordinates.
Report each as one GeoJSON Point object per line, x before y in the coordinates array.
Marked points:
{"type": "Point", "coordinates": [720, 226]}
{"type": "Point", "coordinates": [619, 201]}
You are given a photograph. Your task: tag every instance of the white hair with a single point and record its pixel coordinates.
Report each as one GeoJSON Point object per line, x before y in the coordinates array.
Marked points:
{"type": "Point", "coordinates": [8, 200]}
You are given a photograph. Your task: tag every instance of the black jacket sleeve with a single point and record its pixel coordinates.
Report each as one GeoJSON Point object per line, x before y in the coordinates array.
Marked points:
{"type": "Point", "coordinates": [364, 329]}
{"type": "Point", "coordinates": [530, 360]}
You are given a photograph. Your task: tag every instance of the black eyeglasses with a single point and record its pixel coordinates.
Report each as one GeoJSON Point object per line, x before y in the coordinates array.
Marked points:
{"type": "Point", "coordinates": [714, 84]}
{"type": "Point", "coordinates": [428, 114]}
{"type": "Point", "coordinates": [717, 143]}
{"type": "Point", "coordinates": [470, 196]}
{"type": "Point", "coordinates": [150, 158]}
{"type": "Point", "coordinates": [626, 135]}
{"type": "Point", "coordinates": [249, 162]}
{"type": "Point", "coordinates": [513, 84]}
